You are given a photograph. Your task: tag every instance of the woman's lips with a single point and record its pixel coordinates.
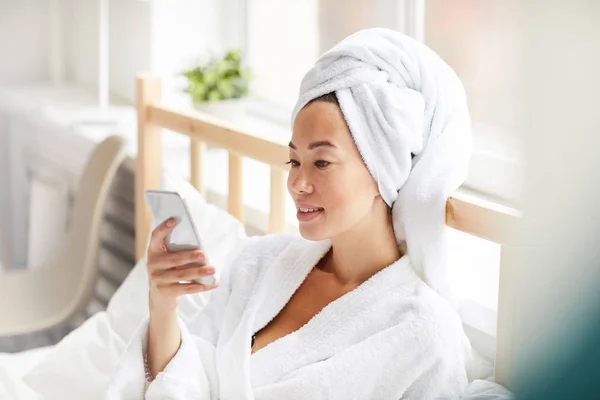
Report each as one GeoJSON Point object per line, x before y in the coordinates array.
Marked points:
{"type": "Point", "coordinates": [308, 216]}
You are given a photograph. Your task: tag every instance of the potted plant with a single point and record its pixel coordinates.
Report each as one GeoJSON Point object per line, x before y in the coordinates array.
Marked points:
{"type": "Point", "coordinates": [220, 86]}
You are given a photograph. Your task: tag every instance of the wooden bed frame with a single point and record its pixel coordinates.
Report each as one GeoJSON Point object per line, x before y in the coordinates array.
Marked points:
{"type": "Point", "coordinates": [471, 215]}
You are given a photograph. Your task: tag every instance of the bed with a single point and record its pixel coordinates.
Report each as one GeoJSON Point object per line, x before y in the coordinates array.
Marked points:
{"type": "Point", "coordinates": [81, 364]}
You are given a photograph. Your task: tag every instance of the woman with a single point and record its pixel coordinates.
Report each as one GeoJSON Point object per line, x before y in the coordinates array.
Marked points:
{"type": "Point", "coordinates": [358, 306]}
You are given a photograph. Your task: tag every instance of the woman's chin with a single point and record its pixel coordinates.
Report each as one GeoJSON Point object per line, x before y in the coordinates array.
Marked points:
{"type": "Point", "coordinates": [313, 233]}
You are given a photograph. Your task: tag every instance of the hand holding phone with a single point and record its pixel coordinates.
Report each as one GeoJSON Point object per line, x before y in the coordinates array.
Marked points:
{"type": "Point", "coordinates": [183, 237]}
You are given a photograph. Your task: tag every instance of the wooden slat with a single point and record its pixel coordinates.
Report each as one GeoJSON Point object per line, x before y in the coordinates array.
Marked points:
{"type": "Point", "coordinates": [277, 201]}
{"type": "Point", "coordinates": [197, 157]}
{"type": "Point", "coordinates": [206, 128]}
{"type": "Point", "coordinates": [235, 202]}
{"type": "Point", "coordinates": [487, 220]}
{"type": "Point", "coordinates": [148, 167]}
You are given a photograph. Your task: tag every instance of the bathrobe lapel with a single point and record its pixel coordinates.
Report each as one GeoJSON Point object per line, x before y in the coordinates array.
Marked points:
{"type": "Point", "coordinates": [270, 295]}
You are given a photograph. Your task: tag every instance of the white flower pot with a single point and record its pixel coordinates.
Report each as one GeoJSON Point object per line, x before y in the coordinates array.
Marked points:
{"type": "Point", "coordinates": [231, 110]}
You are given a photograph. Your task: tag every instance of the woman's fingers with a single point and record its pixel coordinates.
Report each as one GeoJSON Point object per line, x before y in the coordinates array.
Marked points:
{"type": "Point", "coordinates": [162, 261]}
{"type": "Point", "coordinates": [180, 258]}
{"type": "Point", "coordinates": [178, 274]}
{"type": "Point", "coordinates": [159, 234]}
{"type": "Point", "coordinates": [167, 270]}
{"type": "Point", "coordinates": [179, 289]}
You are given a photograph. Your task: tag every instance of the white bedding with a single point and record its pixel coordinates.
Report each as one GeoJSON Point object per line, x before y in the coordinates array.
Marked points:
{"type": "Point", "coordinates": [79, 367]}
{"type": "Point", "coordinates": [14, 366]}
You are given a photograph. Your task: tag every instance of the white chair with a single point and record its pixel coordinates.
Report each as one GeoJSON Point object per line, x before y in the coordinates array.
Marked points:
{"type": "Point", "coordinates": [41, 298]}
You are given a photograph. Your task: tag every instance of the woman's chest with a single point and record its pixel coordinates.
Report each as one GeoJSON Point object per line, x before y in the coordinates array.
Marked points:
{"type": "Point", "coordinates": [307, 301]}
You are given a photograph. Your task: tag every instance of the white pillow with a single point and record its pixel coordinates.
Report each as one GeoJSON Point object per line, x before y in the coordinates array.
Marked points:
{"type": "Point", "coordinates": [80, 366]}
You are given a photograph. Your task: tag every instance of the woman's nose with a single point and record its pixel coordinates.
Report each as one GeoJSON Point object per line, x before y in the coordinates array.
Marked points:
{"type": "Point", "coordinates": [300, 184]}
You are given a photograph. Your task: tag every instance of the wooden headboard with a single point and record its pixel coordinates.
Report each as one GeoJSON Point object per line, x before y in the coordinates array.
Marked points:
{"type": "Point", "coordinates": [471, 215]}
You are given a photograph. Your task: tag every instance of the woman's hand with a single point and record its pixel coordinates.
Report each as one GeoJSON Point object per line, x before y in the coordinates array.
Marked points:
{"type": "Point", "coordinates": [167, 270]}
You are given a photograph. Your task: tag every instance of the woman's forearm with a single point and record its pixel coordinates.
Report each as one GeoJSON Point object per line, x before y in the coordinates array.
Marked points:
{"type": "Point", "coordinates": [164, 339]}
{"type": "Point", "coordinates": [164, 278]}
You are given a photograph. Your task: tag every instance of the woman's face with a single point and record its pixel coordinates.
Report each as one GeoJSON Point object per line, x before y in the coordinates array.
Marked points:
{"type": "Point", "coordinates": [328, 181]}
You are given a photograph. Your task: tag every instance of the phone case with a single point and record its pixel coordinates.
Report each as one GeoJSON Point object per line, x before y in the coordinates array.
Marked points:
{"type": "Point", "coordinates": [165, 204]}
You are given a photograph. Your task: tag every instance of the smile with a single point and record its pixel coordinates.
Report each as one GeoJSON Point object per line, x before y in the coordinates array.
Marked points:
{"type": "Point", "coordinates": [308, 214]}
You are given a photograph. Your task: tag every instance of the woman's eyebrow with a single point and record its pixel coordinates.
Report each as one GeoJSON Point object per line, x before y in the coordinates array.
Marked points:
{"type": "Point", "coordinates": [316, 144]}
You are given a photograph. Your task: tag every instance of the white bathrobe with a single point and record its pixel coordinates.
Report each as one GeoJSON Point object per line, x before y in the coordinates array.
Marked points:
{"type": "Point", "coordinates": [392, 337]}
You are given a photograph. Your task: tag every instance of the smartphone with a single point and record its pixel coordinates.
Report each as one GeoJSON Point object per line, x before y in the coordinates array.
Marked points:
{"type": "Point", "coordinates": [164, 205]}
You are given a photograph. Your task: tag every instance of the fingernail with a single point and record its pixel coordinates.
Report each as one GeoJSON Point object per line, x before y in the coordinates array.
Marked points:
{"type": "Point", "coordinates": [200, 255]}
{"type": "Point", "coordinates": [171, 222]}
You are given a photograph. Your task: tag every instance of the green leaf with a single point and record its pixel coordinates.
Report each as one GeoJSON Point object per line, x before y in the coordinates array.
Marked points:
{"type": "Point", "coordinates": [220, 78]}
{"type": "Point", "coordinates": [199, 89]}
{"type": "Point", "coordinates": [234, 55]}
{"type": "Point", "coordinates": [223, 67]}
{"type": "Point", "coordinates": [226, 88]}
{"type": "Point", "coordinates": [210, 78]}
{"type": "Point", "coordinates": [214, 95]}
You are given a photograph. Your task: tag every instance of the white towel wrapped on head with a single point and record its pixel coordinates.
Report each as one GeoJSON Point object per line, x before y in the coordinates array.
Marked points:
{"type": "Point", "coordinates": [407, 112]}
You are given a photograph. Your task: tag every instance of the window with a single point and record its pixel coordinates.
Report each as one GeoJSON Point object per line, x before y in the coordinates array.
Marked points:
{"type": "Point", "coordinates": [479, 39]}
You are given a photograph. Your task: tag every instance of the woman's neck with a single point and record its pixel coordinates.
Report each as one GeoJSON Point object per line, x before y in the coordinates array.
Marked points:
{"type": "Point", "coordinates": [367, 248]}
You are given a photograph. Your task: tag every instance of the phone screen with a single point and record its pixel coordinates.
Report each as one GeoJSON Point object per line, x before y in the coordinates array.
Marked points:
{"type": "Point", "coordinates": [165, 205]}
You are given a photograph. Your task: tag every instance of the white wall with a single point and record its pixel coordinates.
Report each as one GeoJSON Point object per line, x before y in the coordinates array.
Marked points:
{"type": "Point", "coordinates": [24, 41]}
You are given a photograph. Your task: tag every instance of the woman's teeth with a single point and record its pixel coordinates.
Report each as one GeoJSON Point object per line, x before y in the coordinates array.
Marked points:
{"type": "Point", "coordinates": [305, 210]}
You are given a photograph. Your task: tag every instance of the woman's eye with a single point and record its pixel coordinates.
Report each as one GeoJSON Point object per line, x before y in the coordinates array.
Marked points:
{"type": "Point", "coordinates": [321, 163]}
{"type": "Point", "coordinates": [293, 163]}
